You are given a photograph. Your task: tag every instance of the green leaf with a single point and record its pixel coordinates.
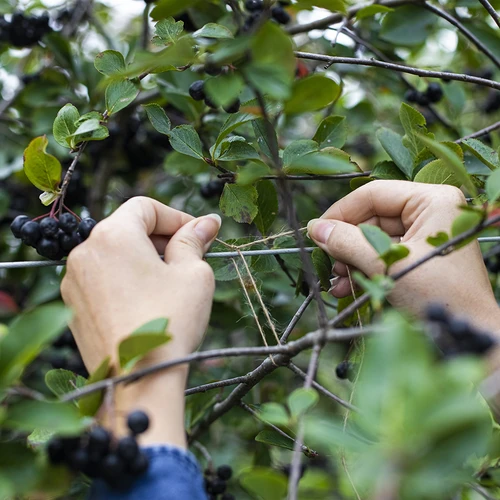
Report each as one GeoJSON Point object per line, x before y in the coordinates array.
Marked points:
{"type": "Point", "coordinates": [43, 170]}
{"type": "Point", "coordinates": [237, 150]}
{"type": "Point", "coordinates": [142, 341]}
{"type": "Point", "coordinates": [371, 10]}
{"type": "Point", "coordinates": [387, 170]}
{"type": "Point", "coordinates": [274, 413]}
{"type": "Point", "coordinates": [184, 139]}
{"type": "Point", "coordinates": [393, 145]}
{"type": "Point", "coordinates": [407, 26]}
{"type": "Point", "coordinates": [177, 163]}
{"type": "Point", "coordinates": [167, 31]}
{"type": "Point", "coordinates": [468, 219]}
{"type": "Point", "coordinates": [267, 205]}
{"type": "Point", "coordinates": [395, 253]}
{"type": "Point", "coordinates": [61, 382]}
{"type": "Point", "coordinates": [26, 416]}
{"type": "Point", "coordinates": [213, 30]}
{"type": "Point", "coordinates": [414, 125]}
{"type": "Point", "coordinates": [323, 267]}
{"type": "Point", "coordinates": [64, 124]}
{"type": "Point", "coordinates": [232, 123]}
{"type": "Point", "coordinates": [90, 404]}
{"type": "Point", "coordinates": [439, 239]}
{"type": "Point", "coordinates": [377, 238]}
{"type": "Point", "coordinates": [252, 172]}
{"type": "Point", "coordinates": [266, 136]}
{"type": "Point", "coordinates": [28, 334]}
{"type": "Point", "coordinates": [110, 63]}
{"type": "Point", "coordinates": [158, 118]}
{"type": "Point", "coordinates": [273, 438]}
{"type": "Point", "coordinates": [378, 287]}
{"type": "Point", "coordinates": [302, 400]}
{"type": "Point", "coordinates": [271, 80]}
{"type": "Point", "coordinates": [224, 89]}
{"type": "Point", "coordinates": [326, 162]}
{"type": "Point", "coordinates": [119, 95]}
{"type": "Point", "coordinates": [492, 186]}
{"type": "Point", "coordinates": [452, 160]}
{"type": "Point", "coordinates": [312, 93]}
{"type": "Point", "coordinates": [166, 8]}
{"type": "Point", "coordinates": [263, 483]}
{"type": "Point", "coordinates": [239, 202]}
{"type": "Point", "coordinates": [487, 155]}
{"type": "Point", "coordinates": [437, 172]}
{"type": "Point", "coordinates": [297, 149]}
{"type": "Point", "coordinates": [332, 5]}
{"type": "Point", "coordinates": [332, 131]}
{"type": "Point", "coordinates": [18, 464]}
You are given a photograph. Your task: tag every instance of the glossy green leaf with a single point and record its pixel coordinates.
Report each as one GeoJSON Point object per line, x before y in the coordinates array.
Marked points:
{"type": "Point", "coordinates": [158, 118]}
{"type": "Point", "coordinates": [90, 404]}
{"type": "Point", "coordinates": [239, 202]}
{"type": "Point", "coordinates": [43, 170]}
{"type": "Point", "coordinates": [237, 150]}
{"type": "Point", "coordinates": [64, 124]}
{"type": "Point", "coordinates": [387, 170]}
{"type": "Point", "coordinates": [267, 205]}
{"type": "Point", "coordinates": [312, 93]}
{"type": "Point", "coordinates": [332, 131]}
{"type": "Point", "coordinates": [119, 95]}
{"type": "Point", "coordinates": [297, 149]}
{"type": "Point", "coordinates": [493, 186]}
{"type": "Point", "coordinates": [323, 267]}
{"type": "Point", "coordinates": [224, 89]}
{"type": "Point", "coordinates": [232, 123]}
{"type": "Point", "coordinates": [167, 31]}
{"type": "Point", "coordinates": [301, 401]}
{"type": "Point", "coordinates": [378, 287]}
{"type": "Point", "coordinates": [251, 173]}
{"type": "Point", "coordinates": [486, 154]}
{"type": "Point", "coordinates": [213, 30]}
{"type": "Point", "coordinates": [273, 413]}
{"type": "Point", "coordinates": [466, 220]}
{"type": "Point", "coordinates": [372, 10]}
{"type": "Point", "coordinates": [266, 136]}
{"type": "Point", "coordinates": [407, 25]}
{"type": "Point", "coordinates": [142, 341]}
{"type": "Point", "coordinates": [321, 163]}
{"type": "Point", "coordinates": [333, 5]}
{"type": "Point", "coordinates": [377, 238]}
{"type": "Point", "coordinates": [110, 63]}
{"type": "Point", "coordinates": [414, 125]}
{"type": "Point", "coordinates": [395, 253]}
{"type": "Point", "coordinates": [184, 139]}
{"type": "Point", "coordinates": [269, 79]}
{"type": "Point", "coordinates": [437, 172]}
{"type": "Point", "coordinates": [273, 438]}
{"type": "Point", "coordinates": [61, 382]}
{"type": "Point", "coordinates": [439, 239]}
{"type": "Point", "coordinates": [393, 145]}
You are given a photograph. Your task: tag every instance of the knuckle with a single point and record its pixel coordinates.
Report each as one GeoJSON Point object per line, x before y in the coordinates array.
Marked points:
{"type": "Point", "coordinates": [190, 241]}
{"type": "Point", "coordinates": [452, 194]}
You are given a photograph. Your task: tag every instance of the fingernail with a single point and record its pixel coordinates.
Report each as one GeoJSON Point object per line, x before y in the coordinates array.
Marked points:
{"type": "Point", "coordinates": [208, 227]}
{"type": "Point", "coordinates": [320, 229]}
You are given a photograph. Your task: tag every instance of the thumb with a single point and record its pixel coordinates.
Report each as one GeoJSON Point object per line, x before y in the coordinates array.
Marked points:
{"type": "Point", "coordinates": [193, 239]}
{"type": "Point", "coordinates": [346, 243]}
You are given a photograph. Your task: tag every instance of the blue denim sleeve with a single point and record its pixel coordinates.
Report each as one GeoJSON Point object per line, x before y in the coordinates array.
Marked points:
{"type": "Point", "coordinates": [173, 474]}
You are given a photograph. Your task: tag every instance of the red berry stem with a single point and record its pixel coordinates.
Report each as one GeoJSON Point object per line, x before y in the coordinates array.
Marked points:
{"type": "Point", "coordinates": [78, 218]}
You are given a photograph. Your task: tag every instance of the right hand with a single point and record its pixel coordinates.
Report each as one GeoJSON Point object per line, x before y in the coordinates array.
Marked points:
{"type": "Point", "coordinates": [409, 212]}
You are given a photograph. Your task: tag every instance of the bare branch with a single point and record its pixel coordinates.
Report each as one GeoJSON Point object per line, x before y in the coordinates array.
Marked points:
{"type": "Point", "coordinates": [479, 133]}
{"type": "Point", "coordinates": [491, 11]}
{"type": "Point", "coordinates": [215, 385]}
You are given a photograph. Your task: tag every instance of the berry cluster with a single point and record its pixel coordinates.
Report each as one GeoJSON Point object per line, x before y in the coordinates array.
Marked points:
{"type": "Point", "coordinates": [24, 31]}
{"type": "Point", "coordinates": [255, 8]}
{"type": "Point", "coordinates": [66, 355]}
{"type": "Point", "coordinates": [460, 337]}
{"type": "Point", "coordinates": [98, 455]}
{"type": "Point", "coordinates": [345, 370]}
{"type": "Point", "coordinates": [492, 263]}
{"type": "Point", "coordinates": [216, 482]}
{"type": "Point", "coordinates": [52, 238]}
{"type": "Point", "coordinates": [197, 92]}
{"type": "Point", "coordinates": [212, 189]}
{"type": "Point", "coordinates": [434, 93]}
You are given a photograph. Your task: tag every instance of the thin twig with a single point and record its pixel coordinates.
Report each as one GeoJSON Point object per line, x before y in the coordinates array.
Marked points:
{"type": "Point", "coordinates": [69, 174]}
{"type": "Point", "coordinates": [296, 318]}
{"type": "Point", "coordinates": [479, 133]}
{"type": "Point", "coordinates": [204, 452]}
{"type": "Point", "coordinates": [214, 385]}
{"type": "Point", "coordinates": [491, 11]}
{"type": "Point", "coordinates": [400, 67]}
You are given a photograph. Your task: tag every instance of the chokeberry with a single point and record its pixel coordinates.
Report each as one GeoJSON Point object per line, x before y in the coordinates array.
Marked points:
{"type": "Point", "coordinates": [212, 189]}
{"type": "Point", "coordinates": [31, 233]}
{"type": "Point", "coordinates": [68, 223]}
{"type": "Point", "coordinates": [254, 5]}
{"type": "Point", "coordinates": [422, 99]}
{"type": "Point", "coordinates": [85, 227]}
{"type": "Point", "coordinates": [411, 95]}
{"type": "Point", "coordinates": [280, 15]}
{"type": "Point", "coordinates": [17, 225]}
{"type": "Point", "coordinates": [196, 90]}
{"type": "Point", "coordinates": [127, 448]}
{"type": "Point", "coordinates": [79, 459]}
{"type": "Point", "coordinates": [49, 249]}
{"type": "Point", "coordinates": [437, 312]}
{"type": "Point", "coordinates": [49, 228]}
{"type": "Point", "coordinates": [459, 328]}
{"type": "Point", "coordinates": [228, 496]}
{"type": "Point", "coordinates": [343, 370]}
{"type": "Point", "coordinates": [71, 444]}
{"type": "Point", "coordinates": [250, 21]}
{"type": "Point", "coordinates": [112, 467]}
{"type": "Point", "coordinates": [56, 451]}
{"type": "Point", "coordinates": [217, 487]}
{"type": "Point", "coordinates": [76, 365]}
{"type": "Point", "coordinates": [138, 422]}
{"type": "Point", "coordinates": [66, 339]}
{"type": "Point", "coordinates": [139, 465]}
{"type": "Point", "coordinates": [212, 69]}
{"type": "Point", "coordinates": [69, 241]}
{"type": "Point", "coordinates": [434, 92]}
{"type": "Point", "coordinates": [233, 108]}
{"type": "Point", "coordinates": [99, 442]}
{"type": "Point", "coordinates": [225, 472]}
{"type": "Point", "coordinates": [210, 103]}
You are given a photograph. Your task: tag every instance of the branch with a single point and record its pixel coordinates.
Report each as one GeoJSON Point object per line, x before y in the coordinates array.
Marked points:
{"type": "Point", "coordinates": [401, 68]}
{"type": "Point", "coordinates": [491, 11]}
{"type": "Point", "coordinates": [215, 385]}
{"type": "Point", "coordinates": [296, 317]}
{"type": "Point", "coordinates": [468, 34]}
{"type": "Point", "coordinates": [481, 132]}
{"type": "Point", "coordinates": [69, 174]}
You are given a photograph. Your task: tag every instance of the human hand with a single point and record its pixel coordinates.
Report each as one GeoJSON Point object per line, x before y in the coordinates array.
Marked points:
{"type": "Point", "coordinates": [115, 282]}
{"type": "Point", "coordinates": [408, 212]}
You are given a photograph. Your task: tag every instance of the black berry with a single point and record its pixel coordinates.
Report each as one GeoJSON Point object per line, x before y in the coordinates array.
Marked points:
{"type": "Point", "coordinates": [49, 227]}
{"type": "Point", "coordinates": [254, 5]}
{"type": "Point", "coordinates": [79, 459]}
{"type": "Point", "coordinates": [212, 69]}
{"type": "Point", "coordinates": [233, 108]}
{"type": "Point", "coordinates": [437, 312]}
{"type": "Point", "coordinates": [68, 223]}
{"type": "Point", "coordinates": [459, 328]}
{"type": "Point", "coordinates": [343, 370]}
{"type": "Point", "coordinates": [139, 465]}
{"type": "Point", "coordinates": [138, 422]}
{"type": "Point", "coordinates": [85, 227]}
{"type": "Point", "coordinates": [434, 92]}
{"type": "Point", "coordinates": [196, 90]}
{"type": "Point", "coordinates": [69, 241]}
{"type": "Point", "coordinates": [31, 233]}
{"type": "Point", "coordinates": [49, 249]}
{"type": "Point", "coordinates": [112, 467]}
{"type": "Point", "coordinates": [217, 487]}
{"type": "Point", "coordinates": [17, 225]}
{"type": "Point", "coordinates": [56, 451]}
{"type": "Point", "coordinates": [280, 15]}
{"type": "Point", "coordinates": [422, 99]}
{"type": "Point", "coordinates": [228, 496]}
{"type": "Point", "coordinates": [99, 442]}
{"type": "Point", "coordinates": [210, 103]}
{"type": "Point", "coordinates": [212, 189]}
{"type": "Point", "coordinates": [225, 472]}
{"type": "Point", "coordinates": [412, 95]}
{"type": "Point", "coordinates": [128, 448]}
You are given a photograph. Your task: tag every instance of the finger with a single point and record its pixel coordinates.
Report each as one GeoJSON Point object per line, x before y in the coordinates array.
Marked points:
{"type": "Point", "coordinates": [393, 226]}
{"type": "Point", "coordinates": [342, 288]}
{"type": "Point", "coordinates": [346, 243]}
{"type": "Point", "coordinates": [193, 240]}
{"type": "Point", "coordinates": [339, 269]}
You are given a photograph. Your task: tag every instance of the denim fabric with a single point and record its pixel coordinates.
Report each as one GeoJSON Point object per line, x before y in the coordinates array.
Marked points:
{"type": "Point", "coordinates": [173, 474]}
